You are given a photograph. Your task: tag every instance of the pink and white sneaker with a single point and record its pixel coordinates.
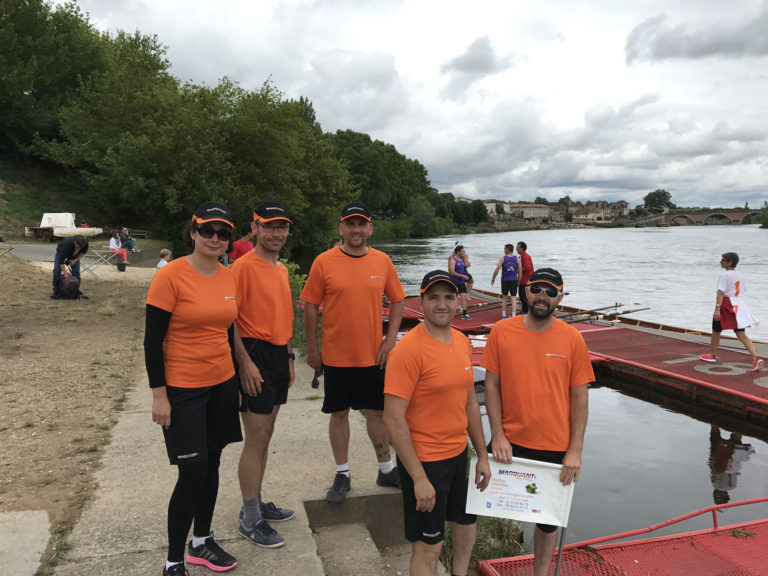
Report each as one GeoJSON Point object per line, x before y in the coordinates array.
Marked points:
{"type": "Point", "coordinates": [757, 365]}
{"type": "Point", "coordinates": [707, 358]}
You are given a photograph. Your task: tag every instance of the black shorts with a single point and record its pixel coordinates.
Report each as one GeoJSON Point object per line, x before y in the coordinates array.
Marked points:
{"type": "Point", "coordinates": [274, 365]}
{"type": "Point", "coordinates": [202, 418]}
{"type": "Point", "coordinates": [718, 327]}
{"type": "Point", "coordinates": [462, 288]}
{"type": "Point", "coordinates": [551, 456]}
{"type": "Point", "coordinates": [509, 287]}
{"type": "Point", "coordinates": [449, 478]}
{"type": "Point", "coordinates": [353, 387]}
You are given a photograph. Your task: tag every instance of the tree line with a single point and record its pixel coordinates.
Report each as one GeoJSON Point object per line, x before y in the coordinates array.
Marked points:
{"type": "Point", "coordinates": [137, 146]}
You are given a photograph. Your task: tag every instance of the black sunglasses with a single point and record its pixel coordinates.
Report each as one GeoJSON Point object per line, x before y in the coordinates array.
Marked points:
{"type": "Point", "coordinates": [536, 289]}
{"type": "Point", "coordinates": [224, 234]}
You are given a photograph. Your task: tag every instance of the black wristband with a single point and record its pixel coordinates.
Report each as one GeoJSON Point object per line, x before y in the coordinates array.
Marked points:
{"type": "Point", "coordinates": [291, 356]}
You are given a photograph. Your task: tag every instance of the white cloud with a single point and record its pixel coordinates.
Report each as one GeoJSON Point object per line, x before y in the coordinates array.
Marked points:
{"type": "Point", "coordinates": [506, 100]}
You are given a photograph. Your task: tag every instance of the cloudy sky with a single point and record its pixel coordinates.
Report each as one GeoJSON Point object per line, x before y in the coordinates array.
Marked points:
{"type": "Point", "coordinates": [506, 99]}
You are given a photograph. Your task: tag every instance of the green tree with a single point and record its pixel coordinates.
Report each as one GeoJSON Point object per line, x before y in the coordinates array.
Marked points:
{"type": "Point", "coordinates": [540, 200]}
{"type": "Point", "coordinates": [276, 153]}
{"type": "Point", "coordinates": [45, 55]}
{"type": "Point", "coordinates": [382, 177]}
{"type": "Point", "coordinates": [461, 212]}
{"type": "Point", "coordinates": [120, 132]}
{"type": "Point", "coordinates": [658, 199]}
{"type": "Point", "coordinates": [499, 209]}
{"type": "Point", "coordinates": [479, 212]}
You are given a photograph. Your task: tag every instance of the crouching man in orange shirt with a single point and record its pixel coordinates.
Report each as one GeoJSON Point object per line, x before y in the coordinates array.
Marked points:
{"type": "Point", "coordinates": [429, 406]}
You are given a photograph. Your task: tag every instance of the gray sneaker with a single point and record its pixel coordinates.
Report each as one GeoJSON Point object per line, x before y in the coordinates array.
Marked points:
{"type": "Point", "coordinates": [273, 513]}
{"type": "Point", "coordinates": [270, 511]}
{"type": "Point", "coordinates": [339, 489]}
{"type": "Point", "coordinates": [262, 534]}
{"type": "Point", "coordinates": [391, 478]}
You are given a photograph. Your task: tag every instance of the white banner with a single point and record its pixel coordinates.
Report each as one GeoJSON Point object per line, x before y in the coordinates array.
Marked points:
{"type": "Point", "coordinates": [526, 490]}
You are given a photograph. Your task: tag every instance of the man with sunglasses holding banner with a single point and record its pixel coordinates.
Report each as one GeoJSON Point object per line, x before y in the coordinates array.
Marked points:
{"type": "Point", "coordinates": [263, 351]}
{"type": "Point", "coordinates": [537, 376]}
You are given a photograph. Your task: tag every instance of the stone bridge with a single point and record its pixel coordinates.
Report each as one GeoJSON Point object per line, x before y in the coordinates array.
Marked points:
{"type": "Point", "coordinates": [717, 216]}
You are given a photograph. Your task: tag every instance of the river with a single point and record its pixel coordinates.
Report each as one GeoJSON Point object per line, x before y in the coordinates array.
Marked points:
{"type": "Point", "coordinates": [673, 271]}
{"type": "Point", "coordinates": [643, 462]}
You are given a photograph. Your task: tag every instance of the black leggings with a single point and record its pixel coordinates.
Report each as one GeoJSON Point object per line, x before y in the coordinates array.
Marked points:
{"type": "Point", "coordinates": [193, 498]}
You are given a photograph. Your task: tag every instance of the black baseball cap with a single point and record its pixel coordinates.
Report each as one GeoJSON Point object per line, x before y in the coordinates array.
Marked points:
{"type": "Point", "coordinates": [434, 277]}
{"type": "Point", "coordinates": [213, 212]}
{"type": "Point", "coordinates": [270, 210]}
{"type": "Point", "coordinates": [356, 208]}
{"type": "Point", "coordinates": [547, 276]}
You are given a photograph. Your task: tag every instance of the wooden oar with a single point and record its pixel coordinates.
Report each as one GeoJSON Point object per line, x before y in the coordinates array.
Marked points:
{"type": "Point", "coordinates": [621, 313]}
{"type": "Point", "coordinates": [589, 312]}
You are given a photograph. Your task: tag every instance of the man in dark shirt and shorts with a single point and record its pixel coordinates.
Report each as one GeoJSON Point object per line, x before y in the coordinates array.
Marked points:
{"type": "Point", "coordinates": [509, 264]}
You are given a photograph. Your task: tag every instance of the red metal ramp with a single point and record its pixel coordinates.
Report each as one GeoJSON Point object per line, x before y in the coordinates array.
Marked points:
{"type": "Point", "coordinates": [738, 550]}
{"type": "Point", "coordinates": [677, 359]}
{"type": "Point", "coordinates": [741, 551]}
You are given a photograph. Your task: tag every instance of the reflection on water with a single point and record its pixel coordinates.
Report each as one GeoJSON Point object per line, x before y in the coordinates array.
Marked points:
{"type": "Point", "coordinates": [644, 464]}
{"type": "Point", "coordinates": [726, 455]}
{"type": "Point", "coordinates": [671, 270]}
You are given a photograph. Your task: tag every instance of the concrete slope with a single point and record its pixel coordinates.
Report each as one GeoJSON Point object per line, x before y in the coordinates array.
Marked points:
{"type": "Point", "coordinates": [123, 530]}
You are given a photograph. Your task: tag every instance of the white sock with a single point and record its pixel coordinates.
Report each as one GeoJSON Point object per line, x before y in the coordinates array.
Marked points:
{"type": "Point", "coordinates": [343, 469]}
{"type": "Point", "coordinates": [169, 564]}
{"type": "Point", "coordinates": [386, 467]}
{"type": "Point", "coordinates": [199, 540]}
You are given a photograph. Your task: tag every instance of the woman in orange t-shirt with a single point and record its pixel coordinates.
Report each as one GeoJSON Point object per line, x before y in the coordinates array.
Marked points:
{"type": "Point", "coordinates": [191, 308]}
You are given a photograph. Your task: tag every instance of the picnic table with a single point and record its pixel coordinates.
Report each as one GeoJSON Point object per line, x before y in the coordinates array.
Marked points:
{"type": "Point", "coordinates": [95, 258]}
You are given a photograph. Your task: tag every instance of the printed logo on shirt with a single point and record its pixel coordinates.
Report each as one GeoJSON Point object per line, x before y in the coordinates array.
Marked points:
{"type": "Point", "coordinates": [377, 277]}
{"type": "Point", "coordinates": [187, 456]}
{"type": "Point", "coordinates": [467, 368]}
{"type": "Point", "coordinates": [550, 355]}
{"type": "Point", "coordinates": [229, 298]}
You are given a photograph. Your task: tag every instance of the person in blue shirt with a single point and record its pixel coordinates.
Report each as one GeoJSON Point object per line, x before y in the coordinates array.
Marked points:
{"type": "Point", "coordinates": [509, 264]}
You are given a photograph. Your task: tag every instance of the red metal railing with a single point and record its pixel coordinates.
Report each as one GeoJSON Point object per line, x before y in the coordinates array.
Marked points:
{"type": "Point", "coordinates": [713, 509]}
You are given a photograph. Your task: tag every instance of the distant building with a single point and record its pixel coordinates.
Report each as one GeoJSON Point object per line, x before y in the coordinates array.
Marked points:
{"type": "Point", "coordinates": [619, 209]}
{"type": "Point", "coordinates": [586, 214]}
{"type": "Point", "coordinates": [531, 211]}
{"type": "Point", "coordinates": [491, 205]}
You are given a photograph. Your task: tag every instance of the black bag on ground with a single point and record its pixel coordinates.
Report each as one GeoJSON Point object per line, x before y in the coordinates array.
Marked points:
{"type": "Point", "coordinates": [69, 287]}
{"type": "Point", "coordinates": [121, 266]}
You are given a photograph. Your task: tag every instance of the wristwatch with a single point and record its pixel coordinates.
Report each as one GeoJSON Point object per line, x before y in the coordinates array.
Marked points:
{"type": "Point", "coordinates": [291, 356]}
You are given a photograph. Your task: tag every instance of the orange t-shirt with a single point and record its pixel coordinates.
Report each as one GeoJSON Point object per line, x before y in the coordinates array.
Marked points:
{"type": "Point", "coordinates": [350, 289]}
{"type": "Point", "coordinates": [536, 372]}
{"type": "Point", "coordinates": [196, 347]}
{"type": "Point", "coordinates": [434, 377]}
{"type": "Point", "coordinates": [265, 309]}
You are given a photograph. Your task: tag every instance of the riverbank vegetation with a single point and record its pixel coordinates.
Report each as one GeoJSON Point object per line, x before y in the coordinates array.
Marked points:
{"type": "Point", "coordinates": [124, 142]}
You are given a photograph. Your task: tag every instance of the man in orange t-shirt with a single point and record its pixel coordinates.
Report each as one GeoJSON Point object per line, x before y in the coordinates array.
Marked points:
{"type": "Point", "coordinates": [349, 281]}
{"type": "Point", "coordinates": [265, 358]}
{"type": "Point", "coordinates": [536, 382]}
{"type": "Point", "coordinates": [537, 372]}
{"type": "Point", "coordinates": [429, 407]}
